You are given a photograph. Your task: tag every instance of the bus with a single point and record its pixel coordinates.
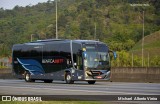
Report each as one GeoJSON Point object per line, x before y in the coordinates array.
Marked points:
{"type": "Point", "coordinates": [62, 59]}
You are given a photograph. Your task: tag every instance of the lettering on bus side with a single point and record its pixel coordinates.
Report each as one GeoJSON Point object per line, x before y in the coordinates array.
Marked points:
{"type": "Point", "coordinates": [54, 61]}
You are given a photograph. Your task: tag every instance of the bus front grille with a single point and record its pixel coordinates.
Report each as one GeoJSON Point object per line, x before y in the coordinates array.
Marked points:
{"type": "Point", "coordinates": [96, 73]}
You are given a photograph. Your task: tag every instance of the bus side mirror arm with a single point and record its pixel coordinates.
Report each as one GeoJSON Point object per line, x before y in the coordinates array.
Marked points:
{"type": "Point", "coordinates": [114, 54]}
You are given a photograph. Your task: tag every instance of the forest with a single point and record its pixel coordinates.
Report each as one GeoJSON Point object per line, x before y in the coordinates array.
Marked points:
{"type": "Point", "coordinates": [118, 23]}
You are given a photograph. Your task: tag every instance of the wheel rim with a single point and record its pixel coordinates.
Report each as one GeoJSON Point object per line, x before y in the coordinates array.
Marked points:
{"type": "Point", "coordinates": [27, 77]}
{"type": "Point", "coordinates": [68, 77]}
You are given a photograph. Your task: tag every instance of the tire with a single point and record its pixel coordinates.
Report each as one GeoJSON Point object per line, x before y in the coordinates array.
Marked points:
{"type": "Point", "coordinates": [27, 77]}
{"type": "Point", "coordinates": [68, 78]}
{"type": "Point", "coordinates": [48, 81]}
{"type": "Point", "coordinates": [91, 82]}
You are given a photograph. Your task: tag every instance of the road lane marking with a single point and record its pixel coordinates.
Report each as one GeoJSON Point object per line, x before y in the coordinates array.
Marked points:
{"type": "Point", "coordinates": [89, 88]}
{"type": "Point", "coordinates": [97, 92]}
{"type": "Point", "coordinates": [105, 85]}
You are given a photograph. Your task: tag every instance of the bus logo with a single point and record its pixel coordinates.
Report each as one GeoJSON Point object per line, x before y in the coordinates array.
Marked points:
{"type": "Point", "coordinates": [54, 61]}
{"type": "Point", "coordinates": [6, 98]}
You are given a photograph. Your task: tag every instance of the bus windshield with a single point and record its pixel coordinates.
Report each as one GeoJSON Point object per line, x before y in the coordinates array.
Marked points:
{"type": "Point", "coordinates": [97, 57]}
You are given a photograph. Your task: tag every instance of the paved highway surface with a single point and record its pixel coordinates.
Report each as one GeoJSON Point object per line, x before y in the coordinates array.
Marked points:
{"type": "Point", "coordinates": [20, 87]}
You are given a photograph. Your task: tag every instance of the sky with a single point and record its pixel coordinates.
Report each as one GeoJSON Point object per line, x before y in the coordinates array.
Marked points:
{"type": "Point", "coordinates": [10, 4]}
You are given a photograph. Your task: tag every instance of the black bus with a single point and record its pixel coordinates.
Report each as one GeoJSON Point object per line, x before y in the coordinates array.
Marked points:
{"type": "Point", "coordinates": [67, 60]}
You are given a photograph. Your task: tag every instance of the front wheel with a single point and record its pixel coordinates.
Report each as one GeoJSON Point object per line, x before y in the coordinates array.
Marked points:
{"type": "Point", "coordinates": [27, 77]}
{"type": "Point", "coordinates": [91, 82]}
{"type": "Point", "coordinates": [68, 78]}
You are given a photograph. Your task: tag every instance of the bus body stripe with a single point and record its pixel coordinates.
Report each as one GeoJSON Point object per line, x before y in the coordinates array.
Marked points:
{"type": "Point", "coordinates": [31, 65]}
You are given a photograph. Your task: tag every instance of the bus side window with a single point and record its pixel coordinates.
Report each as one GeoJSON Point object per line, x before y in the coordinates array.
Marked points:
{"type": "Point", "coordinates": [67, 56]}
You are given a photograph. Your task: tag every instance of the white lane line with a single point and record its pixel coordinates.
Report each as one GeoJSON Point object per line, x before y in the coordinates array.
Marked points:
{"type": "Point", "coordinates": [96, 87]}
{"type": "Point", "coordinates": [97, 92]}
{"type": "Point", "coordinates": [92, 87]}
{"type": "Point", "coordinates": [105, 90]}
{"type": "Point", "coordinates": [105, 85]}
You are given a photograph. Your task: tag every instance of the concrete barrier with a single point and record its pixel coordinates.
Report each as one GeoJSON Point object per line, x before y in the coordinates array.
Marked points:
{"type": "Point", "coordinates": [6, 74]}
{"type": "Point", "coordinates": [122, 74]}
{"type": "Point", "coordinates": [139, 74]}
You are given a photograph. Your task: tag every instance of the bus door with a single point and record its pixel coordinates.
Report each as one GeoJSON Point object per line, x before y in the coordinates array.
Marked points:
{"type": "Point", "coordinates": [78, 64]}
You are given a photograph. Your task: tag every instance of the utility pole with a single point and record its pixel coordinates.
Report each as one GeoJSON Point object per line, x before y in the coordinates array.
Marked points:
{"type": "Point", "coordinates": [141, 5]}
{"type": "Point", "coordinates": [143, 42]}
{"type": "Point", "coordinates": [132, 59]}
{"type": "Point", "coordinates": [31, 37]}
{"type": "Point", "coordinates": [56, 22]}
{"type": "Point", "coordinates": [148, 59]}
{"type": "Point", "coordinates": [95, 34]}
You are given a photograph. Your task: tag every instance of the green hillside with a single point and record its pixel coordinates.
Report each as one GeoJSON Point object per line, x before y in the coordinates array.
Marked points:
{"type": "Point", "coordinates": [133, 58]}
{"type": "Point", "coordinates": [151, 45]}
{"type": "Point", "coordinates": [114, 22]}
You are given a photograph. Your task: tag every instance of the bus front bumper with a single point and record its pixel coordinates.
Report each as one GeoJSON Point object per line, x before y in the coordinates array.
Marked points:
{"type": "Point", "coordinates": [105, 76]}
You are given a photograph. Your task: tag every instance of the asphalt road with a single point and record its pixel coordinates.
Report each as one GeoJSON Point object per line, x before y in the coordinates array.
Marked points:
{"type": "Point", "coordinates": [20, 87]}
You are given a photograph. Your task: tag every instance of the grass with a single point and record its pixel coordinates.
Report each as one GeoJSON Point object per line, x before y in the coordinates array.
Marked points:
{"type": "Point", "coordinates": [151, 45]}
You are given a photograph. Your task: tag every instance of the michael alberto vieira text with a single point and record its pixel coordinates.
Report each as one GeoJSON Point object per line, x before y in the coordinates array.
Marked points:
{"type": "Point", "coordinates": [138, 98]}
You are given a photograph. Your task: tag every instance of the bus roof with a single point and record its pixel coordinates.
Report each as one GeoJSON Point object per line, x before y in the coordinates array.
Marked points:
{"type": "Point", "coordinates": [57, 41]}
{"type": "Point", "coordinates": [67, 40]}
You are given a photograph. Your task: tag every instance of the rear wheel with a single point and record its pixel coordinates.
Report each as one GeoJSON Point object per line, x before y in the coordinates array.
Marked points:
{"type": "Point", "coordinates": [48, 81]}
{"type": "Point", "coordinates": [68, 78]}
{"type": "Point", "coordinates": [27, 77]}
{"type": "Point", "coordinates": [91, 82]}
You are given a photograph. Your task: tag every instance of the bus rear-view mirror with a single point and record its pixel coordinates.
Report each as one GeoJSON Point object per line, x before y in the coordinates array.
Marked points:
{"type": "Point", "coordinates": [115, 55]}
{"type": "Point", "coordinates": [84, 55]}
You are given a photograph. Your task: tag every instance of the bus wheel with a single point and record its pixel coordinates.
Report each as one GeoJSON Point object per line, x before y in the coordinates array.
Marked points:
{"type": "Point", "coordinates": [48, 81]}
{"type": "Point", "coordinates": [91, 82]}
{"type": "Point", "coordinates": [28, 77]}
{"type": "Point", "coordinates": [68, 78]}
